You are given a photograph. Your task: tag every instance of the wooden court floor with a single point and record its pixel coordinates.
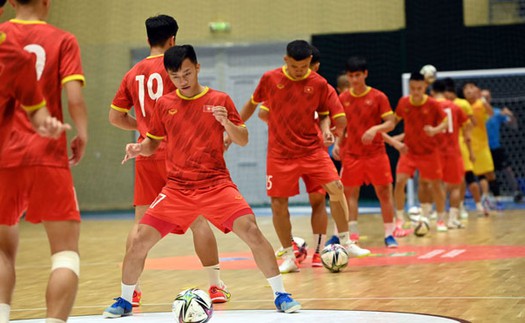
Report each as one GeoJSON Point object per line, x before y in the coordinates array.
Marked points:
{"type": "Point", "coordinates": [476, 274]}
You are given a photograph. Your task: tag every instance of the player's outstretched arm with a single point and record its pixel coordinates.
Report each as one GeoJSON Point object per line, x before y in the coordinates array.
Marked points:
{"type": "Point", "coordinates": [145, 148]}
{"type": "Point", "coordinates": [122, 120]}
{"type": "Point", "coordinates": [78, 112]}
{"type": "Point", "coordinates": [46, 125]}
{"type": "Point", "coordinates": [247, 110]}
{"type": "Point", "coordinates": [237, 134]}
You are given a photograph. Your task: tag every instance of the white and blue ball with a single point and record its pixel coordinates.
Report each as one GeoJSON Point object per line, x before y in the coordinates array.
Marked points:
{"type": "Point", "coordinates": [192, 306]}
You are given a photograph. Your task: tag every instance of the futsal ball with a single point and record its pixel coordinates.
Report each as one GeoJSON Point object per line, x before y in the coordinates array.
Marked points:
{"type": "Point", "coordinates": [429, 72]}
{"type": "Point", "coordinates": [422, 227]}
{"type": "Point", "coordinates": [414, 214]}
{"type": "Point", "coordinates": [334, 257]}
{"type": "Point", "coordinates": [302, 249]}
{"type": "Point", "coordinates": [192, 305]}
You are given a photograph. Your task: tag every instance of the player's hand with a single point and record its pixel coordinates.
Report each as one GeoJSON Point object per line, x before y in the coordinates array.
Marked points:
{"type": "Point", "coordinates": [429, 130]}
{"type": "Point", "coordinates": [78, 148]}
{"type": "Point", "coordinates": [221, 114]}
{"type": "Point", "coordinates": [132, 151]}
{"type": "Point", "coordinates": [402, 148]}
{"type": "Point", "coordinates": [368, 136]}
{"type": "Point", "coordinates": [227, 141]}
{"type": "Point", "coordinates": [328, 138]}
{"type": "Point", "coordinates": [506, 112]}
{"type": "Point", "coordinates": [336, 152]}
{"type": "Point", "coordinates": [52, 128]}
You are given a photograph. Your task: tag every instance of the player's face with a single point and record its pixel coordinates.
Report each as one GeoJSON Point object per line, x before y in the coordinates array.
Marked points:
{"type": "Point", "coordinates": [471, 92]}
{"type": "Point", "coordinates": [186, 78]}
{"type": "Point", "coordinates": [486, 95]}
{"type": "Point", "coordinates": [417, 89]}
{"type": "Point", "coordinates": [357, 79]}
{"type": "Point", "coordinates": [297, 69]}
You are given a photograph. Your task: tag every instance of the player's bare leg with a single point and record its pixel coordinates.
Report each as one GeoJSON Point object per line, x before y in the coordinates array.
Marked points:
{"type": "Point", "coordinates": [438, 194]}
{"type": "Point", "coordinates": [455, 201]}
{"type": "Point", "coordinates": [140, 210]}
{"type": "Point", "coordinates": [339, 208]}
{"type": "Point", "coordinates": [352, 198]}
{"type": "Point", "coordinates": [319, 222]}
{"type": "Point", "coordinates": [63, 281]}
{"type": "Point", "coordinates": [137, 252]}
{"type": "Point", "coordinates": [8, 249]}
{"type": "Point", "coordinates": [245, 227]}
{"type": "Point", "coordinates": [425, 196]}
{"type": "Point", "coordinates": [399, 197]}
{"type": "Point", "coordinates": [386, 200]}
{"type": "Point", "coordinates": [283, 228]}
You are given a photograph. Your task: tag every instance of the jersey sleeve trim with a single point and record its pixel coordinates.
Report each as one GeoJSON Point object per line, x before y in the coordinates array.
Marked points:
{"type": "Point", "coordinates": [3, 37]}
{"type": "Point", "coordinates": [155, 137]}
{"type": "Point", "coordinates": [253, 101]}
{"type": "Point", "coordinates": [74, 77]}
{"type": "Point", "coordinates": [31, 108]}
{"type": "Point", "coordinates": [386, 114]}
{"type": "Point", "coordinates": [324, 113]}
{"type": "Point", "coordinates": [114, 107]}
{"type": "Point", "coordinates": [339, 115]}
{"type": "Point", "coordinates": [264, 108]}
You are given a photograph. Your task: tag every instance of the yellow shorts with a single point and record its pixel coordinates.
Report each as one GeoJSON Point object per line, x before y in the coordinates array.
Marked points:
{"type": "Point", "coordinates": [466, 156]}
{"type": "Point", "coordinates": [483, 163]}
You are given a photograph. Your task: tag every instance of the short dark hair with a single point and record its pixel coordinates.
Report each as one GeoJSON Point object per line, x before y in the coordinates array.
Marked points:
{"type": "Point", "coordinates": [2, 3]}
{"type": "Point", "coordinates": [316, 55]}
{"type": "Point", "coordinates": [356, 64]}
{"type": "Point", "coordinates": [416, 76]}
{"type": "Point", "coordinates": [174, 57]}
{"type": "Point", "coordinates": [23, 2]}
{"type": "Point", "coordinates": [161, 28]}
{"type": "Point", "coordinates": [468, 83]}
{"type": "Point", "coordinates": [299, 50]}
{"type": "Point", "coordinates": [439, 86]}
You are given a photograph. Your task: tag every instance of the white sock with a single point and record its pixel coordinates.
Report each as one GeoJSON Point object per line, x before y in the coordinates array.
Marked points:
{"type": "Point", "coordinates": [319, 240]}
{"type": "Point", "coordinates": [389, 229]}
{"type": "Point", "coordinates": [453, 213]}
{"type": "Point", "coordinates": [53, 320]}
{"type": "Point", "coordinates": [352, 226]}
{"type": "Point", "coordinates": [214, 275]}
{"type": "Point", "coordinates": [400, 215]}
{"type": "Point", "coordinates": [441, 216]}
{"type": "Point", "coordinates": [127, 291]}
{"type": "Point", "coordinates": [344, 237]}
{"type": "Point", "coordinates": [5, 309]}
{"type": "Point", "coordinates": [277, 285]}
{"type": "Point", "coordinates": [479, 206]}
{"type": "Point", "coordinates": [426, 209]}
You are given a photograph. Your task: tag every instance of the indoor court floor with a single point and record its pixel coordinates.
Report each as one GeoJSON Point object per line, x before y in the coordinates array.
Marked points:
{"type": "Point", "coordinates": [474, 274]}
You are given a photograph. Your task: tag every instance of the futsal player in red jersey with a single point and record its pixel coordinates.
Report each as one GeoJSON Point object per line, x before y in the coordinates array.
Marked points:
{"type": "Point", "coordinates": [423, 118]}
{"type": "Point", "coordinates": [450, 153]}
{"type": "Point", "coordinates": [141, 87]}
{"type": "Point", "coordinates": [294, 93]}
{"type": "Point", "coordinates": [363, 154]}
{"type": "Point", "coordinates": [193, 119]}
{"type": "Point", "coordinates": [316, 193]}
{"type": "Point", "coordinates": [26, 156]}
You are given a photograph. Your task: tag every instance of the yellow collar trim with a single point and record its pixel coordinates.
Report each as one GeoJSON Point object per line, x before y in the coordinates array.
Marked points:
{"type": "Point", "coordinates": [294, 79]}
{"type": "Point", "coordinates": [425, 98]}
{"type": "Point", "coordinates": [368, 89]}
{"type": "Point", "coordinates": [155, 56]}
{"type": "Point", "coordinates": [28, 22]}
{"type": "Point", "coordinates": [195, 97]}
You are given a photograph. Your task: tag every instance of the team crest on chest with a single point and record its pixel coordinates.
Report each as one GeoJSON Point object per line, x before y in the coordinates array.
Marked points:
{"type": "Point", "coordinates": [309, 89]}
{"type": "Point", "coordinates": [369, 102]}
{"type": "Point", "coordinates": [207, 108]}
{"type": "Point", "coordinates": [173, 111]}
{"type": "Point", "coordinates": [280, 86]}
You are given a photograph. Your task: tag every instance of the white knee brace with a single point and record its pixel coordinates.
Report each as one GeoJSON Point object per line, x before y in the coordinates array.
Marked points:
{"type": "Point", "coordinates": [66, 259]}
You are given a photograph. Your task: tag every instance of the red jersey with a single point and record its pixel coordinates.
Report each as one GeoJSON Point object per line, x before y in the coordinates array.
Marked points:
{"type": "Point", "coordinates": [362, 112]}
{"type": "Point", "coordinates": [292, 131]}
{"type": "Point", "coordinates": [17, 83]}
{"type": "Point", "coordinates": [416, 117]}
{"type": "Point", "coordinates": [194, 146]}
{"type": "Point", "coordinates": [57, 62]}
{"type": "Point", "coordinates": [456, 118]}
{"type": "Point", "coordinates": [141, 87]}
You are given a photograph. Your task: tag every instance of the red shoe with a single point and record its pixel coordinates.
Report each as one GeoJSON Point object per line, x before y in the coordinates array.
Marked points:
{"type": "Point", "coordinates": [218, 294]}
{"type": "Point", "coordinates": [316, 260]}
{"type": "Point", "coordinates": [400, 233]}
{"type": "Point", "coordinates": [299, 252]}
{"type": "Point", "coordinates": [137, 296]}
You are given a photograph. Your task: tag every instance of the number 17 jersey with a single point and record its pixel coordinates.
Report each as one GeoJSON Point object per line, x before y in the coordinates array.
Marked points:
{"type": "Point", "coordinates": [146, 82]}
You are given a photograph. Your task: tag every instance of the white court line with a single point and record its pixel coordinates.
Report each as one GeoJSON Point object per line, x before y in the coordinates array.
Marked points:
{"type": "Point", "coordinates": [321, 299]}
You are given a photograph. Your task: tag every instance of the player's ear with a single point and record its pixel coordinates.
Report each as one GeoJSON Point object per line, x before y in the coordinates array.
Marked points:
{"type": "Point", "coordinates": [172, 41]}
{"type": "Point", "coordinates": [365, 73]}
{"type": "Point", "coordinates": [198, 67]}
{"type": "Point", "coordinates": [285, 58]}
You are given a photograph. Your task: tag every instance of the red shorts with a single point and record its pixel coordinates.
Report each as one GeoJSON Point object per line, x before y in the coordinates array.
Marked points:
{"type": "Point", "coordinates": [312, 187]}
{"type": "Point", "coordinates": [45, 193]}
{"type": "Point", "coordinates": [150, 177]}
{"type": "Point", "coordinates": [429, 166]}
{"type": "Point", "coordinates": [174, 210]}
{"type": "Point", "coordinates": [282, 175]}
{"type": "Point", "coordinates": [453, 169]}
{"type": "Point", "coordinates": [374, 170]}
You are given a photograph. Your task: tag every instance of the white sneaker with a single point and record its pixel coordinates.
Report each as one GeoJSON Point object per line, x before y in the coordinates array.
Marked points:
{"type": "Point", "coordinates": [463, 214]}
{"type": "Point", "coordinates": [355, 251]}
{"type": "Point", "coordinates": [454, 224]}
{"type": "Point", "coordinates": [289, 265]}
{"type": "Point", "coordinates": [441, 227]}
{"type": "Point", "coordinates": [433, 216]}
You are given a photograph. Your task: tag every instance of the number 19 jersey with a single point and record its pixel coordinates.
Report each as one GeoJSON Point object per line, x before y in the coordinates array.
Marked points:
{"type": "Point", "coordinates": [146, 82]}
